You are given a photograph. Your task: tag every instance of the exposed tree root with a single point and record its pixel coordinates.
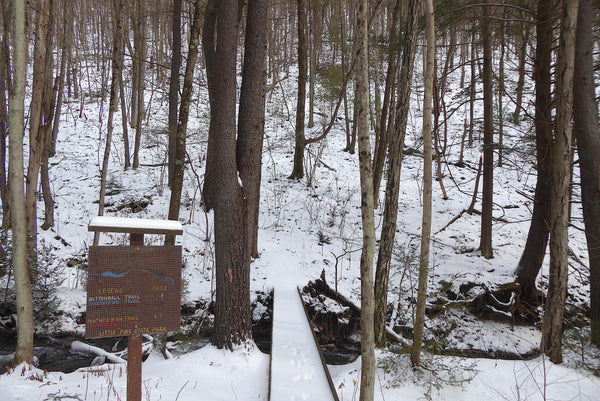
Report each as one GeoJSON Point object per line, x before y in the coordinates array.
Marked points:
{"type": "Point", "coordinates": [503, 304]}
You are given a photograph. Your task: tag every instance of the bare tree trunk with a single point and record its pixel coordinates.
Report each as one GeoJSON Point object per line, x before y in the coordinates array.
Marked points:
{"type": "Point", "coordinates": [349, 144]}
{"type": "Point", "coordinates": [24, 350]}
{"type": "Point", "coordinates": [382, 142]}
{"type": "Point", "coordinates": [472, 88]}
{"type": "Point", "coordinates": [188, 81]}
{"type": "Point", "coordinates": [65, 55]}
{"type": "Point", "coordinates": [524, 38]}
{"type": "Point", "coordinates": [392, 190]}
{"type": "Point", "coordinates": [138, 93]}
{"type": "Point", "coordinates": [251, 119]}
{"type": "Point", "coordinates": [5, 88]}
{"type": "Point", "coordinates": [48, 110]}
{"type": "Point", "coordinates": [537, 238]}
{"type": "Point", "coordinates": [415, 356]}
{"type": "Point", "coordinates": [316, 30]}
{"type": "Point", "coordinates": [501, 88]}
{"type": "Point", "coordinates": [485, 245]}
{"type": "Point", "coordinates": [298, 168]}
{"type": "Point", "coordinates": [174, 87]}
{"type": "Point", "coordinates": [36, 130]}
{"type": "Point", "coordinates": [464, 46]}
{"type": "Point", "coordinates": [585, 115]}
{"type": "Point", "coordinates": [126, 153]}
{"type": "Point", "coordinates": [352, 147]}
{"type": "Point", "coordinates": [367, 206]}
{"type": "Point", "coordinates": [223, 192]}
{"type": "Point", "coordinates": [552, 322]}
{"type": "Point", "coordinates": [45, 183]}
{"type": "Point", "coordinates": [114, 98]}
{"type": "Point", "coordinates": [436, 139]}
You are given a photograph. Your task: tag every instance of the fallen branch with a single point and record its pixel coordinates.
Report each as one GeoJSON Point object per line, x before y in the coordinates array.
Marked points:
{"type": "Point", "coordinates": [458, 216]}
{"type": "Point", "coordinates": [525, 195]}
{"type": "Point", "coordinates": [325, 289]}
{"type": "Point", "coordinates": [500, 219]}
{"type": "Point", "coordinates": [78, 346]}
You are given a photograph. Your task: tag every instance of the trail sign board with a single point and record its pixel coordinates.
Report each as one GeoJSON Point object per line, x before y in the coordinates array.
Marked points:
{"type": "Point", "coordinates": [133, 290]}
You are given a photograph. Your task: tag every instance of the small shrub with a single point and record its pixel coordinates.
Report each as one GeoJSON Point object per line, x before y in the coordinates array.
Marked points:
{"type": "Point", "coordinates": [46, 277]}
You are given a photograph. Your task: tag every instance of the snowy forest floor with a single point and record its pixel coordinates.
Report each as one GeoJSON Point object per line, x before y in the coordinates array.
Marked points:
{"type": "Point", "coordinates": [306, 230]}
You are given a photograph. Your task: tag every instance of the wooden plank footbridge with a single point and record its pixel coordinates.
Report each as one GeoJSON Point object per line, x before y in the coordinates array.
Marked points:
{"type": "Point", "coordinates": [297, 368]}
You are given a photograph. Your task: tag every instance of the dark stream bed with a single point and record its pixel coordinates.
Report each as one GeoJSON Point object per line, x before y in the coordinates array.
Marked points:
{"type": "Point", "coordinates": [52, 354]}
{"type": "Point", "coordinates": [336, 334]}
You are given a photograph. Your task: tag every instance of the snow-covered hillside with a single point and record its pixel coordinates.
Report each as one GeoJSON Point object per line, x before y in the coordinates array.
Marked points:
{"type": "Point", "coordinates": [293, 221]}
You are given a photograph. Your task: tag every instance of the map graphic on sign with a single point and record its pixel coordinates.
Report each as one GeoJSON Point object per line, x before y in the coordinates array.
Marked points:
{"type": "Point", "coordinates": [133, 290]}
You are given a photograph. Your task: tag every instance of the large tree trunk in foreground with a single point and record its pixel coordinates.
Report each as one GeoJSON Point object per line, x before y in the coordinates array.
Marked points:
{"type": "Point", "coordinates": [537, 238]}
{"type": "Point", "coordinates": [585, 115]}
{"type": "Point", "coordinates": [24, 351]}
{"type": "Point", "coordinates": [552, 322]}
{"type": "Point", "coordinates": [251, 125]}
{"type": "Point", "coordinates": [223, 192]}
{"type": "Point", "coordinates": [367, 206]}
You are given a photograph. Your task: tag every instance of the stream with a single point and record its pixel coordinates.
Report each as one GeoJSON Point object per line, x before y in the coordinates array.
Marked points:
{"type": "Point", "coordinates": [336, 332]}
{"type": "Point", "coordinates": [52, 353]}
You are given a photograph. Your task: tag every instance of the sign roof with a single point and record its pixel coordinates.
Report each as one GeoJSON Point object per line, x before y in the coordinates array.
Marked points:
{"type": "Point", "coordinates": [137, 226]}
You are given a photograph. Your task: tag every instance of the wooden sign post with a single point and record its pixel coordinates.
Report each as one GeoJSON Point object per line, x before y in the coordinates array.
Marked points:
{"type": "Point", "coordinates": [133, 290]}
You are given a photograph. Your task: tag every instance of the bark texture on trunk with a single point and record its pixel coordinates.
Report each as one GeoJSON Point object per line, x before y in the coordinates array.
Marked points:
{"type": "Point", "coordinates": [233, 322]}
{"type": "Point", "coordinates": [382, 138]}
{"type": "Point", "coordinates": [48, 110]}
{"type": "Point", "coordinates": [367, 343]}
{"type": "Point", "coordinates": [300, 144]}
{"type": "Point", "coordinates": [392, 189]}
{"type": "Point", "coordinates": [537, 238]}
{"type": "Point", "coordinates": [36, 130]}
{"type": "Point", "coordinates": [587, 133]}
{"type": "Point", "coordinates": [5, 88]}
{"type": "Point", "coordinates": [24, 350]}
{"type": "Point", "coordinates": [65, 56]}
{"type": "Point", "coordinates": [174, 87]}
{"type": "Point", "coordinates": [118, 6]}
{"type": "Point", "coordinates": [415, 356]}
{"type": "Point", "coordinates": [487, 197]}
{"type": "Point", "coordinates": [181, 132]}
{"type": "Point", "coordinates": [552, 322]}
{"type": "Point", "coordinates": [524, 39]}
{"type": "Point", "coordinates": [251, 126]}
{"type": "Point", "coordinates": [139, 38]}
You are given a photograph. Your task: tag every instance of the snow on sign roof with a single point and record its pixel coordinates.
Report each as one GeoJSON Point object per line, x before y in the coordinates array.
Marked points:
{"type": "Point", "coordinates": [138, 226]}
